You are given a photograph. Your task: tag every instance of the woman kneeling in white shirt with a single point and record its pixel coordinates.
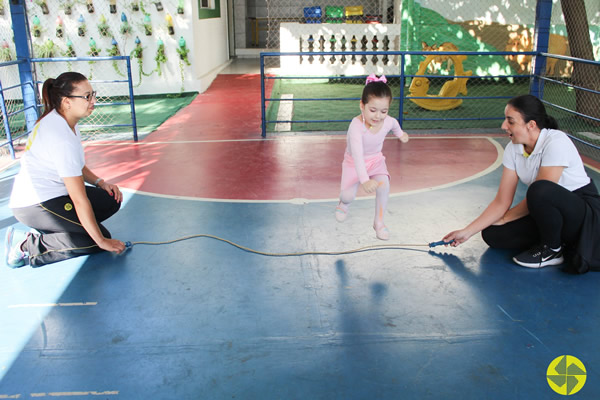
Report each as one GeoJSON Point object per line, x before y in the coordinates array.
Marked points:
{"type": "Point", "coordinates": [49, 192]}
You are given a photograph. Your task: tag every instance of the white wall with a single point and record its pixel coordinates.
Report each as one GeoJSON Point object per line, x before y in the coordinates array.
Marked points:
{"type": "Point", "coordinates": [206, 39]}
{"type": "Point", "coordinates": [210, 48]}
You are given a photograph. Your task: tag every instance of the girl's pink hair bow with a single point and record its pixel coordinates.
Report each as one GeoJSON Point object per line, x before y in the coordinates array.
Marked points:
{"type": "Point", "coordinates": [374, 78]}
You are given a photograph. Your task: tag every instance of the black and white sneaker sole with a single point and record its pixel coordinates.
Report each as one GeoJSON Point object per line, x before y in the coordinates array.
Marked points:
{"type": "Point", "coordinates": [554, 261]}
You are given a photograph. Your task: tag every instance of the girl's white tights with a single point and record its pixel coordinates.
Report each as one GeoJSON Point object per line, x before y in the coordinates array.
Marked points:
{"type": "Point", "coordinates": [381, 198]}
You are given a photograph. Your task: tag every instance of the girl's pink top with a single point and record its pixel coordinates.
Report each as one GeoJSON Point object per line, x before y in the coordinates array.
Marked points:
{"type": "Point", "coordinates": [363, 144]}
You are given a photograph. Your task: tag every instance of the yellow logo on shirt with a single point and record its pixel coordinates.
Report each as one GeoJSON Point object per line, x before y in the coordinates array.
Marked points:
{"type": "Point", "coordinates": [566, 375]}
{"type": "Point", "coordinates": [68, 207]}
{"type": "Point", "coordinates": [31, 137]}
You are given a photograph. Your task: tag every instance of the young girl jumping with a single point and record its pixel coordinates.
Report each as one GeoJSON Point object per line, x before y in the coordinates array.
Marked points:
{"type": "Point", "coordinates": [364, 163]}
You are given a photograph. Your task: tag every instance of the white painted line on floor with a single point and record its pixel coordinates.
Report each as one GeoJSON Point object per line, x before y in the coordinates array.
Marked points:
{"type": "Point", "coordinates": [70, 394]}
{"type": "Point", "coordinates": [286, 109]}
{"type": "Point", "coordinates": [85, 304]}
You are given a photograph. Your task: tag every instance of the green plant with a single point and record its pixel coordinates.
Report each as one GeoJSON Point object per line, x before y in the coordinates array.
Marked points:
{"type": "Point", "coordinates": [67, 6]}
{"type": "Point", "coordinates": [183, 51]}
{"type": "Point", "coordinates": [6, 53]}
{"type": "Point", "coordinates": [42, 4]}
{"type": "Point", "coordinates": [59, 27]}
{"type": "Point", "coordinates": [46, 50]}
{"type": "Point", "coordinates": [37, 29]}
{"type": "Point", "coordinates": [70, 52]}
{"type": "Point", "coordinates": [103, 27]}
{"type": "Point", "coordinates": [160, 57]}
{"type": "Point", "coordinates": [138, 54]}
{"type": "Point", "coordinates": [147, 25]}
{"type": "Point", "coordinates": [114, 52]}
{"type": "Point", "coordinates": [125, 27]}
{"type": "Point", "coordinates": [94, 52]}
{"type": "Point", "coordinates": [81, 29]}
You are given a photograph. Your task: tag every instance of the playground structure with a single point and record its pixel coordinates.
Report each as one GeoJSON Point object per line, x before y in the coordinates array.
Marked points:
{"type": "Point", "coordinates": [446, 98]}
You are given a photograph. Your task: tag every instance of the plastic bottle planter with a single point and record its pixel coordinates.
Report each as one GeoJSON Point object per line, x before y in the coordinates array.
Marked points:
{"type": "Point", "coordinates": [147, 25]}
{"type": "Point", "coordinates": [70, 50]}
{"type": "Point", "coordinates": [183, 51]}
{"type": "Point", "coordinates": [37, 29]}
{"type": "Point", "coordinates": [103, 27]}
{"type": "Point", "coordinates": [170, 28]}
{"type": "Point", "coordinates": [114, 50]}
{"type": "Point", "coordinates": [138, 52]}
{"type": "Point", "coordinates": [159, 6]}
{"type": "Point", "coordinates": [113, 6]}
{"type": "Point", "coordinates": [42, 4]}
{"type": "Point", "coordinates": [81, 29]}
{"type": "Point", "coordinates": [59, 27]}
{"type": "Point", "coordinates": [125, 27]}
{"type": "Point", "coordinates": [90, 6]}
{"type": "Point", "coordinates": [67, 6]}
{"type": "Point", "coordinates": [180, 7]}
{"type": "Point", "coordinates": [135, 6]}
{"type": "Point", "coordinates": [94, 52]}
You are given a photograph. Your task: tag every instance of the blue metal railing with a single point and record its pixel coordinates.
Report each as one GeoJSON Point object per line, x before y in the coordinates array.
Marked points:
{"type": "Point", "coordinates": [537, 81]}
{"type": "Point", "coordinates": [6, 115]}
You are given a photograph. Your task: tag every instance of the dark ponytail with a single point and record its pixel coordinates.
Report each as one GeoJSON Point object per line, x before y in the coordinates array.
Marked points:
{"type": "Point", "coordinates": [376, 89]}
{"type": "Point", "coordinates": [551, 123]}
{"type": "Point", "coordinates": [55, 90]}
{"type": "Point", "coordinates": [532, 109]}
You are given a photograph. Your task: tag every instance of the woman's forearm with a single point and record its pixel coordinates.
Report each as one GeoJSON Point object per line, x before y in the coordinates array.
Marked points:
{"type": "Point", "coordinates": [89, 176]}
{"type": "Point", "coordinates": [518, 211]}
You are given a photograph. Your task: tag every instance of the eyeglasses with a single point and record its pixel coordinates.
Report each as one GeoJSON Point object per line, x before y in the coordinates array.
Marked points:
{"type": "Point", "coordinates": [87, 97]}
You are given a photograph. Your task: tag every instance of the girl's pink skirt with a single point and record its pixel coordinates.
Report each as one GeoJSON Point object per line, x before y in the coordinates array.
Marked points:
{"type": "Point", "coordinates": [375, 166]}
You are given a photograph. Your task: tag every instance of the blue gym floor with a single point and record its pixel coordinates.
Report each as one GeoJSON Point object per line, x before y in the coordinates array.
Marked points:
{"type": "Point", "coordinates": [201, 319]}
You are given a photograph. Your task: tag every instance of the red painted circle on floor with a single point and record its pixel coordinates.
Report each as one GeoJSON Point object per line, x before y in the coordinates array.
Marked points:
{"type": "Point", "coordinates": [282, 169]}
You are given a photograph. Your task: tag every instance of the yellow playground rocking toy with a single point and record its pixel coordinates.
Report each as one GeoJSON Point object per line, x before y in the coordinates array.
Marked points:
{"type": "Point", "coordinates": [436, 102]}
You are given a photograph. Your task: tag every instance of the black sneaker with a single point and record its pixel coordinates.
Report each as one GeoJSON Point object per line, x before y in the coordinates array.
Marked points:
{"type": "Point", "coordinates": [539, 256]}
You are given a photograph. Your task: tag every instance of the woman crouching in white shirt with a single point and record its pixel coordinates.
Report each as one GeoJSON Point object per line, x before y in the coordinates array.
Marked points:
{"type": "Point", "coordinates": [50, 193]}
{"type": "Point", "coordinates": [559, 219]}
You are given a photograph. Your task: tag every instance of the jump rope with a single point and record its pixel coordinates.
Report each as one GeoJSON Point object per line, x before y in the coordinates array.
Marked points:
{"type": "Point", "coordinates": [129, 245]}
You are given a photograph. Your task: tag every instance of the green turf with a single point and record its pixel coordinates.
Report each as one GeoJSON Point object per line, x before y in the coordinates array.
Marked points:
{"type": "Point", "coordinates": [150, 110]}
{"type": "Point", "coordinates": [476, 109]}
{"type": "Point", "coordinates": [323, 110]}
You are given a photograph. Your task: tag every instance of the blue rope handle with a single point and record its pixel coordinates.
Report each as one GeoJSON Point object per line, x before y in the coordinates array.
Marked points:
{"type": "Point", "coordinates": [441, 242]}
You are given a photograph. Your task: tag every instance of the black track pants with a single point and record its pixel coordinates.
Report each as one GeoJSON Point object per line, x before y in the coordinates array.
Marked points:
{"type": "Point", "coordinates": [555, 217]}
{"type": "Point", "coordinates": [61, 234]}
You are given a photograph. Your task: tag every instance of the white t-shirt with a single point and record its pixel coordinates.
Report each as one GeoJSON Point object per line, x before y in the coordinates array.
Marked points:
{"type": "Point", "coordinates": [53, 152]}
{"type": "Point", "coordinates": [553, 149]}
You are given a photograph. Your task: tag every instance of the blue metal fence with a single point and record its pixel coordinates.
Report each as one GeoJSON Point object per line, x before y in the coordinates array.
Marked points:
{"type": "Point", "coordinates": [536, 85]}
{"type": "Point", "coordinates": [36, 108]}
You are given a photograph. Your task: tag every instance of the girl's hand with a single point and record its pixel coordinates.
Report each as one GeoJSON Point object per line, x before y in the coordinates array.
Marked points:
{"type": "Point", "coordinates": [113, 190]}
{"type": "Point", "coordinates": [459, 237]}
{"type": "Point", "coordinates": [370, 186]}
{"type": "Point", "coordinates": [112, 245]}
{"type": "Point", "coordinates": [404, 138]}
